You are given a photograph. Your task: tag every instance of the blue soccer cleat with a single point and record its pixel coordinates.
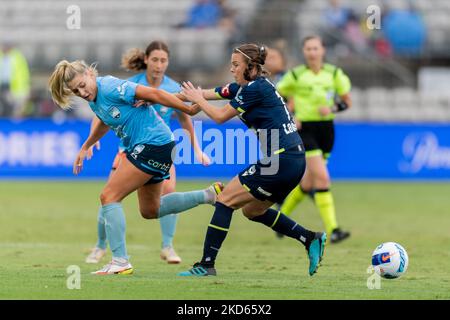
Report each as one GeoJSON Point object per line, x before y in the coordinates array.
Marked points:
{"type": "Point", "coordinates": [315, 251]}
{"type": "Point", "coordinates": [198, 270]}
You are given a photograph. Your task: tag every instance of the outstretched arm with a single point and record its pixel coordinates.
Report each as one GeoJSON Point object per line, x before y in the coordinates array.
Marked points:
{"type": "Point", "coordinates": [164, 98]}
{"type": "Point", "coordinates": [218, 115]}
{"type": "Point", "coordinates": [98, 130]}
{"type": "Point", "coordinates": [208, 94]}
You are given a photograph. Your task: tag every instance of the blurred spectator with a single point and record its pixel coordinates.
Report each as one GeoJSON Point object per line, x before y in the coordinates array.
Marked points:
{"type": "Point", "coordinates": [405, 31]}
{"type": "Point", "coordinates": [336, 16]}
{"type": "Point", "coordinates": [203, 14]}
{"type": "Point", "coordinates": [227, 20]}
{"type": "Point", "coordinates": [14, 81]}
{"type": "Point", "coordinates": [354, 35]}
{"type": "Point", "coordinates": [334, 20]}
{"type": "Point", "coordinates": [275, 64]}
{"type": "Point", "coordinates": [211, 14]}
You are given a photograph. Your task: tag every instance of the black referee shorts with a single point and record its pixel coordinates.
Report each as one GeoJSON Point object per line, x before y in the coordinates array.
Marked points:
{"type": "Point", "coordinates": [318, 137]}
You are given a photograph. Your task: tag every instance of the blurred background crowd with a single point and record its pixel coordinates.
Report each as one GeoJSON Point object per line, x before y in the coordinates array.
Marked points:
{"type": "Point", "coordinates": [399, 69]}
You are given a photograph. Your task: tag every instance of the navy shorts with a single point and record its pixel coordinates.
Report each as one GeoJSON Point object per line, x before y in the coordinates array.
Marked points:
{"type": "Point", "coordinates": [273, 179]}
{"type": "Point", "coordinates": [154, 160]}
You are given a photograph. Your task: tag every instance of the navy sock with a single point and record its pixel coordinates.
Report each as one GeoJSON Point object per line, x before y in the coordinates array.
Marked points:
{"type": "Point", "coordinates": [285, 225]}
{"type": "Point", "coordinates": [216, 234]}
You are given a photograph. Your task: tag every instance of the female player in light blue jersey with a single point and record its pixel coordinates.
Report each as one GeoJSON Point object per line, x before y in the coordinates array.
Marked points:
{"type": "Point", "coordinates": [148, 142]}
{"type": "Point", "coordinates": [155, 61]}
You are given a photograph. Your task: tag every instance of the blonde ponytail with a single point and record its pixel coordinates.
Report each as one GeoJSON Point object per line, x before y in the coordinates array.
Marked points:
{"type": "Point", "coordinates": [65, 72]}
{"type": "Point", "coordinates": [133, 60]}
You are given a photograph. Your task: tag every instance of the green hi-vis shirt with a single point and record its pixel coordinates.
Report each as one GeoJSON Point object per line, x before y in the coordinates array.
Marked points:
{"type": "Point", "coordinates": [312, 91]}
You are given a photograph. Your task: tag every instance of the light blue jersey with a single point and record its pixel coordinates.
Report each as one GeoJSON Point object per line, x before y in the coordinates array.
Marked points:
{"type": "Point", "coordinates": [167, 84]}
{"type": "Point", "coordinates": [133, 125]}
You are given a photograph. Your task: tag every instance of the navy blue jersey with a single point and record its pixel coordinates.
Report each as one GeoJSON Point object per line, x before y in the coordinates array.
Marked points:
{"type": "Point", "coordinates": [262, 108]}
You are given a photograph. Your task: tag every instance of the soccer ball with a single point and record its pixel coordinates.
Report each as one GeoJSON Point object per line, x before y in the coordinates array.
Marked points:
{"type": "Point", "coordinates": [390, 260]}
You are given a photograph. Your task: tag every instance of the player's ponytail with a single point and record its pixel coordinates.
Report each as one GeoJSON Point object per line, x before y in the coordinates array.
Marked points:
{"type": "Point", "coordinates": [65, 72]}
{"type": "Point", "coordinates": [255, 57]}
{"type": "Point", "coordinates": [134, 60]}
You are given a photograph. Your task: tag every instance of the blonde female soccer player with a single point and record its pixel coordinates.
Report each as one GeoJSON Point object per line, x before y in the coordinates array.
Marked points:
{"type": "Point", "coordinates": [148, 141]}
{"type": "Point", "coordinates": [152, 64]}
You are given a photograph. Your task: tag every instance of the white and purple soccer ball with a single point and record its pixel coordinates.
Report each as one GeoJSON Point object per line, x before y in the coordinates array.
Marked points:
{"type": "Point", "coordinates": [390, 260]}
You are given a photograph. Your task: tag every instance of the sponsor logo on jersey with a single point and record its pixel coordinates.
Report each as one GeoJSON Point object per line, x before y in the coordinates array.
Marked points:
{"type": "Point", "coordinates": [122, 88]}
{"type": "Point", "coordinates": [264, 192]}
{"type": "Point", "coordinates": [114, 112]}
{"type": "Point", "coordinates": [250, 171]}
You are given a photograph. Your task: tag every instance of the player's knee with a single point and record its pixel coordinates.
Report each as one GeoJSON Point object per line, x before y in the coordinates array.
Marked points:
{"type": "Point", "coordinates": [107, 197]}
{"type": "Point", "coordinates": [250, 212]}
{"type": "Point", "coordinates": [224, 199]}
{"type": "Point", "coordinates": [168, 190]}
{"type": "Point", "coordinates": [149, 213]}
{"type": "Point", "coordinates": [322, 183]}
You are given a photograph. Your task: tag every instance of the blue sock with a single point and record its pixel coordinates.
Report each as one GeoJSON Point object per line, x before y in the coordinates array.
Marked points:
{"type": "Point", "coordinates": [216, 234]}
{"type": "Point", "coordinates": [177, 202]}
{"type": "Point", "coordinates": [168, 225]}
{"type": "Point", "coordinates": [115, 229]}
{"type": "Point", "coordinates": [285, 225]}
{"type": "Point", "coordinates": [101, 230]}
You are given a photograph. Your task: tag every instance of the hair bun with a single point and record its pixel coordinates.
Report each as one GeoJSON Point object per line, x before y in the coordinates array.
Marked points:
{"type": "Point", "coordinates": [262, 54]}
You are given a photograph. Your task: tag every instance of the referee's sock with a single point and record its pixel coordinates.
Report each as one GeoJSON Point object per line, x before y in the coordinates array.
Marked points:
{"type": "Point", "coordinates": [285, 225]}
{"type": "Point", "coordinates": [292, 200]}
{"type": "Point", "coordinates": [216, 234]}
{"type": "Point", "coordinates": [325, 203]}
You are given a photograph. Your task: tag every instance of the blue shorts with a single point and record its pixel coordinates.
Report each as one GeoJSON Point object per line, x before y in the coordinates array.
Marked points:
{"type": "Point", "coordinates": [274, 178]}
{"type": "Point", "coordinates": [154, 160]}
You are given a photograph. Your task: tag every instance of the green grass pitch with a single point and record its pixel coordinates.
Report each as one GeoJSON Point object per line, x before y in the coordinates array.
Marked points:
{"type": "Point", "coordinates": [47, 226]}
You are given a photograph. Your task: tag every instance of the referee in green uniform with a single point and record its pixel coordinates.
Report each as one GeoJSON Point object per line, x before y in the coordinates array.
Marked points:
{"type": "Point", "coordinates": [319, 91]}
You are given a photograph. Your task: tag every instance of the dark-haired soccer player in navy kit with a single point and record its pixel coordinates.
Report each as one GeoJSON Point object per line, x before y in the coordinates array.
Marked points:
{"type": "Point", "coordinates": [254, 190]}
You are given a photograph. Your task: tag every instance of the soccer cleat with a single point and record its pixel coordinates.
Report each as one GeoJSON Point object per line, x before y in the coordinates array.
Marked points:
{"type": "Point", "coordinates": [168, 254]}
{"type": "Point", "coordinates": [213, 191]}
{"type": "Point", "coordinates": [198, 270]}
{"type": "Point", "coordinates": [315, 251]}
{"type": "Point", "coordinates": [96, 255]}
{"type": "Point", "coordinates": [338, 235]}
{"type": "Point", "coordinates": [116, 266]}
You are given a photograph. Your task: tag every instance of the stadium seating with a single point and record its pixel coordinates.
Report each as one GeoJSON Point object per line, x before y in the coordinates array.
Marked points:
{"type": "Point", "coordinates": [108, 28]}
{"type": "Point", "coordinates": [434, 13]}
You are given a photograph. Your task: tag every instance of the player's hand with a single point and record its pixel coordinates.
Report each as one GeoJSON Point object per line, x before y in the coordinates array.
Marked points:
{"type": "Point", "coordinates": [78, 163]}
{"type": "Point", "coordinates": [324, 111]}
{"type": "Point", "coordinates": [203, 158]}
{"type": "Point", "coordinates": [90, 151]}
{"type": "Point", "coordinates": [192, 93]}
{"type": "Point", "coordinates": [195, 108]}
{"type": "Point", "coordinates": [298, 124]}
